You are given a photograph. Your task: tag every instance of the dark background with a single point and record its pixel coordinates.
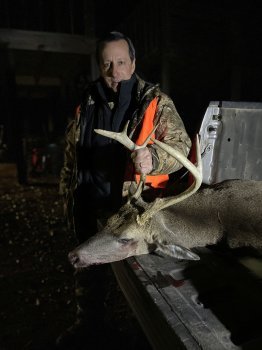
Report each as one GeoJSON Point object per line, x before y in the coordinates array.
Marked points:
{"type": "Point", "coordinates": [198, 51]}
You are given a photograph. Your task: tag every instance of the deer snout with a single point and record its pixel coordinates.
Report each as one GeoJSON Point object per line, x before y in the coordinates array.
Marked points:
{"type": "Point", "coordinates": [74, 258]}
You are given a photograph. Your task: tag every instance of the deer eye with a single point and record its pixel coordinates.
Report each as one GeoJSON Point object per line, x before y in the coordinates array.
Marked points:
{"type": "Point", "coordinates": [125, 240]}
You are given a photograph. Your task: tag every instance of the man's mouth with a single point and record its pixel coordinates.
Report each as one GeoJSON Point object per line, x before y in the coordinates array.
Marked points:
{"type": "Point", "coordinates": [114, 85]}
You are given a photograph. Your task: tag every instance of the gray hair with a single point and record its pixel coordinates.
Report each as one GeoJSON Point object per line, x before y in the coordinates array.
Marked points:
{"type": "Point", "coordinates": [114, 36]}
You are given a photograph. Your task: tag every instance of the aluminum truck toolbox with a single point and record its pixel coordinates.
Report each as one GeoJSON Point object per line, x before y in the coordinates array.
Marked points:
{"type": "Point", "coordinates": [231, 141]}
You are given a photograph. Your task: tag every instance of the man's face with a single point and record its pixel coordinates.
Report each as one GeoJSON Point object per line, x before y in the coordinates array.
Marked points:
{"type": "Point", "coordinates": [115, 63]}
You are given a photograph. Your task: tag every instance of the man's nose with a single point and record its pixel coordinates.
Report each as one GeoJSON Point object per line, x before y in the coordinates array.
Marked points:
{"type": "Point", "coordinates": [113, 70]}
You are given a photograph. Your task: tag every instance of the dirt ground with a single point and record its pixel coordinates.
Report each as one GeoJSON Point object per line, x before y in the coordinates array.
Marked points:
{"type": "Point", "coordinates": [36, 280]}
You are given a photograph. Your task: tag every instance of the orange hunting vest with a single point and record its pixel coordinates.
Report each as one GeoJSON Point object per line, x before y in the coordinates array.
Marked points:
{"type": "Point", "coordinates": [156, 181]}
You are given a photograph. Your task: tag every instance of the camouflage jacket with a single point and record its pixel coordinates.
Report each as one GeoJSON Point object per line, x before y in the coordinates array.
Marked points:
{"type": "Point", "coordinates": [170, 130]}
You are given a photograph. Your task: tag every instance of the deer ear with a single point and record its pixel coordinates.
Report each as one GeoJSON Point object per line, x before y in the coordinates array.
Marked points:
{"type": "Point", "coordinates": [176, 251]}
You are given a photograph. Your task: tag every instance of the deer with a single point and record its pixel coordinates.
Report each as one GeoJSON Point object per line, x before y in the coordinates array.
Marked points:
{"type": "Point", "coordinates": [200, 216]}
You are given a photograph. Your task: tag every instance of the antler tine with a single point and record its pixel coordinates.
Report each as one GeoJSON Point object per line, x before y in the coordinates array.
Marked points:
{"type": "Point", "coordinates": [196, 171]}
{"type": "Point", "coordinates": [139, 188]}
{"type": "Point", "coordinates": [119, 136]}
{"type": "Point", "coordinates": [123, 138]}
{"type": "Point", "coordinates": [129, 144]}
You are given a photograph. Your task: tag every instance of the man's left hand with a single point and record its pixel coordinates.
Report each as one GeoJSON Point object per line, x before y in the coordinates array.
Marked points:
{"type": "Point", "coordinates": [142, 160]}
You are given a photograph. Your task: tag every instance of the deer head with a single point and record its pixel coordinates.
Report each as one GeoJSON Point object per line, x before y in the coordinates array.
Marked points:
{"type": "Point", "coordinates": [136, 228]}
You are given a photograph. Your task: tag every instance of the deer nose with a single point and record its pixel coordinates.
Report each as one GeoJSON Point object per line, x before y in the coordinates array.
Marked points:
{"type": "Point", "coordinates": [73, 258]}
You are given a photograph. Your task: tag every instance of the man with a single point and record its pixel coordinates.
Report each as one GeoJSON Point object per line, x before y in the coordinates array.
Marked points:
{"type": "Point", "coordinates": [97, 170]}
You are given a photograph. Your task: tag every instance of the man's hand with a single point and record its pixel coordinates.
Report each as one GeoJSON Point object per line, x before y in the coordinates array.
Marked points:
{"type": "Point", "coordinates": [142, 160]}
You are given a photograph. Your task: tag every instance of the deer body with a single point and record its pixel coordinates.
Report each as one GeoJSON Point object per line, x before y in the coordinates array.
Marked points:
{"type": "Point", "coordinates": [231, 211]}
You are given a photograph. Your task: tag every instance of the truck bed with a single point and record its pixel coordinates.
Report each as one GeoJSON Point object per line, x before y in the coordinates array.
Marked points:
{"type": "Point", "coordinates": [214, 303]}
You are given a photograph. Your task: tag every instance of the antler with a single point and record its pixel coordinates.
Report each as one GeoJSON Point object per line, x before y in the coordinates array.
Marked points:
{"type": "Point", "coordinates": [196, 171]}
{"type": "Point", "coordinates": [129, 144]}
{"type": "Point", "coordinates": [123, 138]}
